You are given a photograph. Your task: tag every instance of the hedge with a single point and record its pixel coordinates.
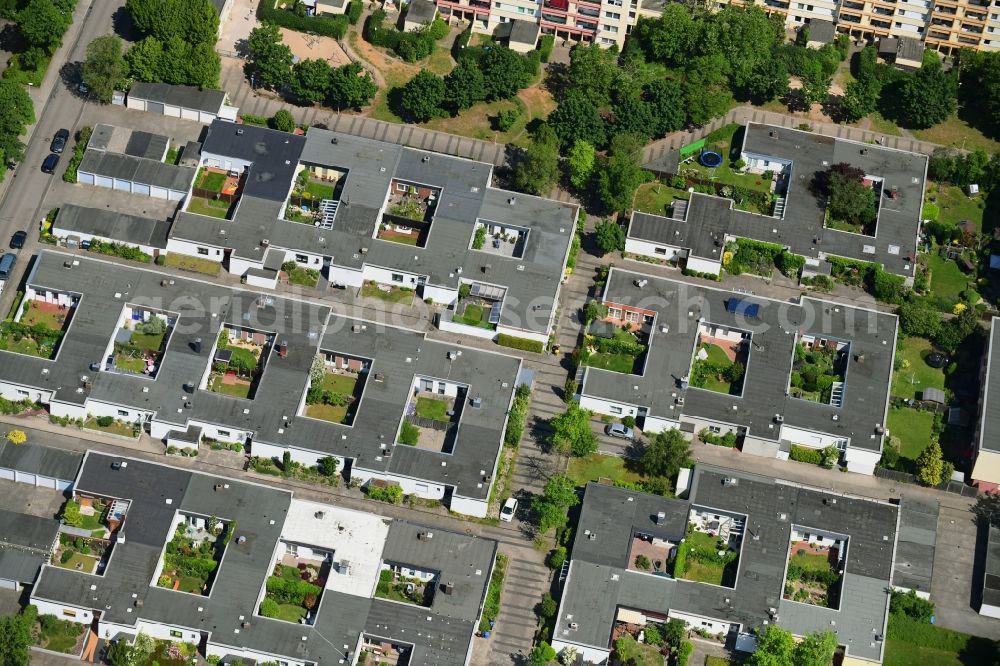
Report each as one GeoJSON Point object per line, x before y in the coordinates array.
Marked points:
{"type": "Point", "coordinates": [491, 605]}
{"type": "Point", "coordinates": [806, 455]}
{"type": "Point", "coordinates": [687, 647]}
{"type": "Point", "coordinates": [121, 250]}
{"type": "Point", "coordinates": [790, 264]}
{"type": "Point", "coordinates": [728, 440]}
{"type": "Point", "coordinates": [617, 346]}
{"type": "Point", "coordinates": [82, 138]}
{"type": "Point", "coordinates": [545, 47]}
{"type": "Point", "coordinates": [327, 26]}
{"type": "Point", "coordinates": [286, 591]}
{"type": "Point", "coordinates": [390, 494]}
{"type": "Point", "coordinates": [354, 11]}
{"type": "Point", "coordinates": [524, 344]}
{"type": "Point", "coordinates": [518, 415]}
{"type": "Point", "coordinates": [680, 560]}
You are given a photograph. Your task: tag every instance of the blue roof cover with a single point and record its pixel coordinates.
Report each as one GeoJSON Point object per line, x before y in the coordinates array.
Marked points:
{"type": "Point", "coordinates": [741, 307]}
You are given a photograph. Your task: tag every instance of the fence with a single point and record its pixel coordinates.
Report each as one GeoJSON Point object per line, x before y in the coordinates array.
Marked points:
{"type": "Point", "coordinates": [212, 194]}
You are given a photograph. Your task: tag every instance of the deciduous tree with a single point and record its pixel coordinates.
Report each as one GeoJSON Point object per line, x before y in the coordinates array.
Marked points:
{"type": "Point", "coordinates": [665, 453]}
{"type": "Point", "coordinates": [580, 163]}
{"type": "Point", "coordinates": [505, 72]}
{"type": "Point", "coordinates": [551, 506]}
{"type": "Point", "coordinates": [927, 98]}
{"type": "Point", "coordinates": [621, 174]}
{"type": "Point", "coordinates": [351, 87]}
{"type": "Point", "coordinates": [421, 97]}
{"type": "Point", "coordinates": [930, 465]}
{"type": "Point", "coordinates": [575, 118]}
{"type": "Point", "coordinates": [271, 58]}
{"type": "Point", "coordinates": [571, 432]}
{"type": "Point", "coordinates": [464, 86]}
{"type": "Point", "coordinates": [538, 169]}
{"type": "Point", "coordinates": [104, 66]}
{"type": "Point", "coordinates": [609, 236]}
{"type": "Point", "coordinates": [310, 80]}
{"type": "Point", "coordinates": [42, 24]}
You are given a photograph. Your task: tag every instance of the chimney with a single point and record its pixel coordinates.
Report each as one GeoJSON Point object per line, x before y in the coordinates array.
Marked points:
{"type": "Point", "coordinates": [661, 518]}
{"type": "Point", "coordinates": [448, 588]}
{"type": "Point", "coordinates": [283, 349]}
{"type": "Point", "coordinates": [196, 345]}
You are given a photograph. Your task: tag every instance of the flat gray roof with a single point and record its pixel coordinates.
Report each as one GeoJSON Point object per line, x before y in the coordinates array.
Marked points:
{"type": "Point", "coordinates": [259, 512]}
{"type": "Point", "coordinates": [421, 11]}
{"type": "Point", "coordinates": [989, 428]}
{"type": "Point", "coordinates": [137, 169]}
{"type": "Point", "coordinates": [397, 355]}
{"type": "Point", "coordinates": [679, 307]}
{"type": "Point", "coordinates": [42, 460]}
{"type": "Point", "coordinates": [599, 582]}
{"type": "Point", "coordinates": [916, 545]}
{"type": "Point", "coordinates": [273, 155]}
{"type": "Point", "coordinates": [466, 197]}
{"type": "Point", "coordinates": [991, 576]}
{"type": "Point", "coordinates": [188, 97]}
{"type": "Point", "coordinates": [25, 544]}
{"type": "Point", "coordinates": [106, 223]}
{"type": "Point", "coordinates": [801, 229]}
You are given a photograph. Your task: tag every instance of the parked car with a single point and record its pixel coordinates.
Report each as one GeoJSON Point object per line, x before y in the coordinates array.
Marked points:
{"type": "Point", "coordinates": [17, 240]}
{"type": "Point", "coordinates": [508, 510]}
{"type": "Point", "coordinates": [59, 141]}
{"type": "Point", "coordinates": [618, 430]}
{"type": "Point", "coordinates": [7, 262]}
{"type": "Point", "coordinates": [50, 163]}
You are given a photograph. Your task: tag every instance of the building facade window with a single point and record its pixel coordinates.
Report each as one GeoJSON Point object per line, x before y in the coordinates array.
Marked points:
{"type": "Point", "coordinates": [615, 410]}
{"type": "Point", "coordinates": [203, 251]}
{"type": "Point", "coordinates": [397, 277]}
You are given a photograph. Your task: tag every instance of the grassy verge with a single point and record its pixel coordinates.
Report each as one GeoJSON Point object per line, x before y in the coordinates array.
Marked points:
{"type": "Point", "coordinates": [912, 642]}
{"type": "Point", "coordinates": [655, 198]}
{"type": "Point", "coordinates": [491, 606]}
{"type": "Point", "coordinates": [597, 466]}
{"type": "Point", "coordinates": [959, 134]}
{"type": "Point", "coordinates": [913, 428]}
{"type": "Point", "coordinates": [193, 264]}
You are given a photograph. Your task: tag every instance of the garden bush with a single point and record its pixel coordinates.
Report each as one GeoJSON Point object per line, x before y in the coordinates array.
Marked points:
{"type": "Point", "coordinates": [105, 421]}
{"type": "Point", "coordinates": [327, 26]}
{"type": "Point", "coordinates": [728, 440]}
{"type": "Point", "coordinates": [517, 416]}
{"type": "Point", "coordinates": [354, 11]}
{"type": "Point", "coordinates": [750, 256]}
{"type": "Point", "coordinates": [524, 344]}
{"type": "Point", "coordinates": [285, 591]}
{"type": "Point", "coordinates": [391, 494]}
{"type": "Point", "coordinates": [806, 455]}
{"type": "Point", "coordinates": [121, 250]}
{"type": "Point", "coordinates": [269, 608]}
{"type": "Point", "coordinates": [680, 560]}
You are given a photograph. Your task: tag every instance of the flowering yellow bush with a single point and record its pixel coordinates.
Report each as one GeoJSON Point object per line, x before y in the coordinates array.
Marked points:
{"type": "Point", "coordinates": [959, 308]}
{"type": "Point", "coordinates": [17, 437]}
{"type": "Point", "coordinates": [726, 258]}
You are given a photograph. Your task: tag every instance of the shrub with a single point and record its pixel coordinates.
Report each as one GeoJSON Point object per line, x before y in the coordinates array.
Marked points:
{"type": "Point", "coordinates": [82, 137]}
{"type": "Point", "coordinates": [328, 466]}
{"type": "Point", "coordinates": [328, 26]}
{"type": "Point", "coordinates": [911, 605]}
{"type": "Point", "coordinates": [524, 344]}
{"type": "Point", "coordinates": [728, 440]}
{"type": "Point", "coordinates": [282, 120]}
{"type": "Point", "coordinates": [517, 416]}
{"type": "Point", "coordinates": [105, 421]}
{"type": "Point", "coordinates": [409, 434]}
{"type": "Point", "coordinates": [687, 647]}
{"type": "Point", "coordinates": [354, 10]}
{"type": "Point", "coordinates": [506, 118]}
{"type": "Point", "coordinates": [391, 494]}
{"type": "Point", "coordinates": [557, 557]}
{"type": "Point", "coordinates": [439, 29]}
{"type": "Point", "coordinates": [569, 390]}
{"type": "Point", "coordinates": [66, 556]}
{"type": "Point", "coordinates": [642, 562]}
{"type": "Point", "coordinates": [680, 560]}
{"type": "Point", "coordinates": [806, 455]}
{"type": "Point", "coordinates": [161, 259]}
{"type": "Point", "coordinates": [269, 608]}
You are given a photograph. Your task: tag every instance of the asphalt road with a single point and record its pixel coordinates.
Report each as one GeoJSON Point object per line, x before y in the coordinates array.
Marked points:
{"type": "Point", "coordinates": [21, 206]}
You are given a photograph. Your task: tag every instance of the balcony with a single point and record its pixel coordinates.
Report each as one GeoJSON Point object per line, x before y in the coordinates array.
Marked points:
{"type": "Point", "coordinates": [950, 11]}
{"type": "Point", "coordinates": [978, 30]}
{"type": "Point", "coordinates": [968, 40]}
{"type": "Point", "coordinates": [850, 18]}
{"type": "Point", "coordinates": [943, 36]}
{"type": "Point", "coordinates": [885, 25]}
{"type": "Point", "coordinates": [881, 11]}
{"type": "Point", "coordinates": [554, 18]}
{"type": "Point", "coordinates": [561, 5]}
{"type": "Point", "coordinates": [942, 23]}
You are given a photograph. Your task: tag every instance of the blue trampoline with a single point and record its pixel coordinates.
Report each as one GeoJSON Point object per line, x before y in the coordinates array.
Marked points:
{"type": "Point", "coordinates": [710, 159]}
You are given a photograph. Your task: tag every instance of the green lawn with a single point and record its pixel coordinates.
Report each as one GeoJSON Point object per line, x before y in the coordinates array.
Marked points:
{"type": "Point", "coordinates": [716, 354]}
{"type": "Point", "coordinates": [623, 363]}
{"type": "Point", "coordinates": [811, 562]}
{"type": "Point", "coordinates": [58, 635]}
{"type": "Point", "coordinates": [306, 277]}
{"type": "Point", "coordinates": [712, 382]}
{"type": "Point", "coordinates": [338, 383]}
{"type": "Point", "coordinates": [332, 413]}
{"type": "Point", "coordinates": [883, 125]}
{"type": "Point", "coordinates": [25, 345]}
{"type": "Point", "coordinates": [474, 315]}
{"type": "Point", "coordinates": [901, 653]}
{"type": "Point", "coordinates": [49, 319]}
{"type": "Point", "coordinates": [150, 342]}
{"type": "Point", "coordinates": [717, 661]}
{"type": "Point", "coordinates": [193, 264]}
{"type": "Point", "coordinates": [947, 279]}
{"type": "Point", "coordinates": [908, 382]}
{"type": "Point", "coordinates": [597, 466]}
{"type": "Point", "coordinates": [706, 566]}
{"type": "Point", "coordinates": [192, 584]}
{"type": "Point", "coordinates": [954, 206]}
{"type": "Point", "coordinates": [116, 428]}
{"type": "Point", "coordinates": [913, 428]}
{"type": "Point", "coordinates": [319, 191]}
{"type": "Point", "coordinates": [655, 198]}
{"type": "Point", "coordinates": [238, 390]}
{"type": "Point", "coordinates": [432, 408]}
{"type": "Point", "coordinates": [959, 134]}
{"type": "Point", "coordinates": [291, 612]}
{"type": "Point", "coordinates": [912, 642]}
{"type": "Point", "coordinates": [88, 563]}
{"type": "Point", "coordinates": [210, 207]}
{"type": "Point", "coordinates": [211, 180]}
{"type": "Point", "coordinates": [394, 295]}
{"type": "Point", "coordinates": [129, 363]}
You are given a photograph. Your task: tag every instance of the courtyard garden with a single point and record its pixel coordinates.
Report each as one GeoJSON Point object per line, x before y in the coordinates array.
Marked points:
{"type": "Point", "coordinates": [390, 294]}
{"type": "Point", "coordinates": [140, 345]}
{"type": "Point", "coordinates": [87, 514]}
{"type": "Point", "coordinates": [58, 635]}
{"type": "Point", "coordinates": [39, 330]}
{"type": "Point", "coordinates": [112, 426]}
{"type": "Point", "coordinates": [434, 409]}
{"type": "Point", "coordinates": [236, 364]}
{"type": "Point", "coordinates": [331, 397]}
{"type": "Point", "coordinates": [79, 554]}
{"type": "Point", "coordinates": [300, 275]}
{"type": "Point", "coordinates": [191, 264]}
{"type": "Point", "coordinates": [913, 428]}
{"type": "Point", "coordinates": [812, 577]}
{"type": "Point", "coordinates": [950, 205]}
{"type": "Point", "coordinates": [816, 369]}
{"type": "Point", "coordinates": [913, 374]}
{"type": "Point", "coordinates": [596, 466]}
{"type": "Point", "coordinates": [398, 233]}
{"type": "Point", "coordinates": [712, 369]}
{"type": "Point", "coordinates": [473, 314]}
{"type": "Point", "coordinates": [402, 588]}
{"type": "Point", "coordinates": [214, 193]}
{"type": "Point", "coordinates": [307, 193]}
{"type": "Point", "coordinates": [851, 198]}
{"type": "Point", "coordinates": [705, 558]}
{"type": "Point", "coordinates": [192, 556]}
{"type": "Point", "coordinates": [656, 197]}
{"type": "Point", "coordinates": [622, 352]}
{"type": "Point", "coordinates": [292, 593]}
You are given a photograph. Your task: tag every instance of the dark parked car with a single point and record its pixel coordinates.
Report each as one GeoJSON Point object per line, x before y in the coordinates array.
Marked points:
{"type": "Point", "coordinates": [50, 163]}
{"type": "Point", "coordinates": [59, 141]}
{"type": "Point", "coordinates": [17, 240]}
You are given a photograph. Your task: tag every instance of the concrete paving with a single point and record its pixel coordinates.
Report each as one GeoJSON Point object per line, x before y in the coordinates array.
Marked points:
{"type": "Point", "coordinates": [24, 498]}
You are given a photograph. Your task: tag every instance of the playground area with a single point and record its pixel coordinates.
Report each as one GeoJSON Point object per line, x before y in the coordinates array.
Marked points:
{"type": "Point", "coordinates": [305, 47]}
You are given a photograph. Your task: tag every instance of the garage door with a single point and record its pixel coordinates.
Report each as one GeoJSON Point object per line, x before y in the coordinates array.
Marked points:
{"type": "Point", "coordinates": [207, 116]}
{"type": "Point", "coordinates": [158, 192]}
{"type": "Point", "coordinates": [62, 484]}
{"type": "Point", "coordinates": [102, 181]}
{"type": "Point", "coordinates": [25, 478]}
{"type": "Point", "coordinates": [189, 114]}
{"type": "Point", "coordinates": [172, 111]}
{"type": "Point", "coordinates": [139, 188]}
{"type": "Point", "coordinates": [6, 474]}
{"type": "Point", "coordinates": [45, 482]}
{"type": "Point", "coordinates": [85, 178]}
{"type": "Point", "coordinates": [123, 185]}
{"type": "Point", "coordinates": [155, 107]}
{"type": "Point", "coordinates": [174, 195]}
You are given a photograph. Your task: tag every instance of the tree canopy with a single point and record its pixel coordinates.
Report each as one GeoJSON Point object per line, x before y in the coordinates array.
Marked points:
{"type": "Point", "coordinates": [551, 506]}
{"type": "Point", "coordinates": [538, 169]}
{"type": "Point", "coordinates": [104, 66]}
{"type": "Point", "coordinates": [421, 97]}
{"type": "Point", "coordinates": [665, 453]}
{"type": "Point", "coordinates": [621, 173]}
{"type": "Point", "coordinates": [777, 647]}
{"type": "Point", "coordinates": [610, 236]}
{"type": "Point", "coordinates": [179, 43]}
{"type": "Point", "coordinates": [571, 432]}
{"type": "Point", "coordinates": [270, 56]}
{"type": "Point", "coordinates": [16, 637]}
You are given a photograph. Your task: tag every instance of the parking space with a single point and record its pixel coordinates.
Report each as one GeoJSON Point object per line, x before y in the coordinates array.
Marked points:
{"type": "Point", "coordinates": [43, 502]}
{"type": "Point", "coordinates": [179, 131]}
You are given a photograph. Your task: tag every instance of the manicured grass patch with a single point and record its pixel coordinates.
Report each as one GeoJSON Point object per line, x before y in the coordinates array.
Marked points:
{"type": "Point", "coordinates": [913, 428]}
{"type": "Point", "coordinates": [145, 341]}
{"type": "Point", "coordinates": [291, 612]}
{"type": "Point", "coordinates": [319, 191]}
{"type": "Point", "coordinates": [129, 363]}
{"type": "Point", "coordinates": [193, 264]}
{"type": "Point", "coordinates": [716, 354]}
{"type": "Point", "coordinates": [432, 408]}
{"type": "Point", "coordinates": [701, 561]}
{"type": "Point", "coordinates": [48, 318]}
{"type": "Point", "coordinates": [910, 381]}
{"type": "Point", "coordinates": [911, 641]}
{"type": "Point", "coordinates": [342, 384]}
{"type": "Point", "coordinates": [116, 428]}
{"type": "Point", "coordinates": [597, 466]}
{"type": "Point", "coordinates": [239, 389]}
{"type": "Point", "coordinates": [211, 180]}
{"type": "Point", "coordinates": [405, 239]}
{"type": "Point", "coordinates": [656, 198]}
{"type": "Point", "coordinates": [623, 363]}
{"type": "Point", "coordinates": [947, 279]}
{"type": "Point", "coordinates": [80, 562]}
{"type": "Point", "coordinates": [883, 125]}
{"type": "Point", "coordinates": [390, 294]}
{"type": "Point", "coordinates": [474, 315]}
{"type": "Point", "coordinates": [210, 207]}
{"type": "Point", "coordinates": [58, 635]}
{"type": "Point", "coordinates": [334, 413]}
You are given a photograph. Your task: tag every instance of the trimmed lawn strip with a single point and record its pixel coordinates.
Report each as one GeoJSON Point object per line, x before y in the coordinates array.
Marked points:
{"type": "Point", "coordinates": [193, 264]}
{"type": "Point", "coordinates": [623, 363]}
{"type": "Point", "coordinates": [116, 428]}
{"type": "Point", "coordinates": [597, 466]}
{"type": "Point", "coordinates": [395, 295]}
{"type": "Point", "coordinates": [238, 390]}
{"type": "Point", "coordinates": [655, 198]}
{"type": "Point", "coordinates": [959, 134]}
{"type": "Point", "coordinates": [947, 279]}
{"type": "Point", "coordinates": [432, 408]}
{"type": "Point", "coordinates": [209, 207]}
{"type": "Point", "coordinates": [334, 413]}
{"type": "Point", "coordinates": [913, 428]}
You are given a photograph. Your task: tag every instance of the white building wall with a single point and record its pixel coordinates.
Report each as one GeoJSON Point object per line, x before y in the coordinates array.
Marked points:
{"type": "Point", "coordinates": [522, 333]}
{"type": "Point", "coordinates": [312, 260]}
{"type": "Point", "coordinates": [654, 424]}
{"type": "Point", "coordinates": [66, 410]}
{"type": "Point", "coordinates": [240, 265]}
{"type": "Point", "coordinates": [63, 611]}
{"type": "Point", "coordinates": [224, 162]}
{"type": "Point", "coordinates": [191, 249]}
{"type": "Point", "coordinates": [109, 630]}
{"type": "Point", "coordinates": [604, 406]}
{"type": "Point", "coordinates": [469, 506]}
{"type": "Point", "coordinates": [440, 295]}
{"type": "Point", "coordinates": [221, 651]}
{"type": "Point", "coordinates": [704, 265]}
{"type": "Point", "coordinates": [309, 458]}
{"type": "Point", "coordinates": [648, 249]}
{"type": "Point", "coordinates": [62, 233]}
{"type": "Point", "coordinates": [446, 324]}
{"type": "Point", "coordinates": [698, 622]}
{"type": "Point", "coordinates": [260, 281]}
{"type": "Point", "coordinates": [808, 438]}
{"type": "Point", "coordinates": [345, 276]}
{"type": "Point", "coordinates": [221, 432]}
{"type": "Point", "coordinates": [989, 611]}
{"type": "Point", "coordinates": [17, 392]}
{"type": "Point", "coordinates": [761, 447]}
{"type": "Point", "coordinates": [410, 486]}
{"type": "Point", "coordinates": [590, 655]}
{"type": "Point", "coordinates": [861, 461]}
{"type": "Point", "coordinates": [384, 276]}
{"type": "Point", "coordinates": [131, 415]}
{"type": "Point", "coordinates": [700, 424]}
{"type": "Point", "coordinates": [162, 632]}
